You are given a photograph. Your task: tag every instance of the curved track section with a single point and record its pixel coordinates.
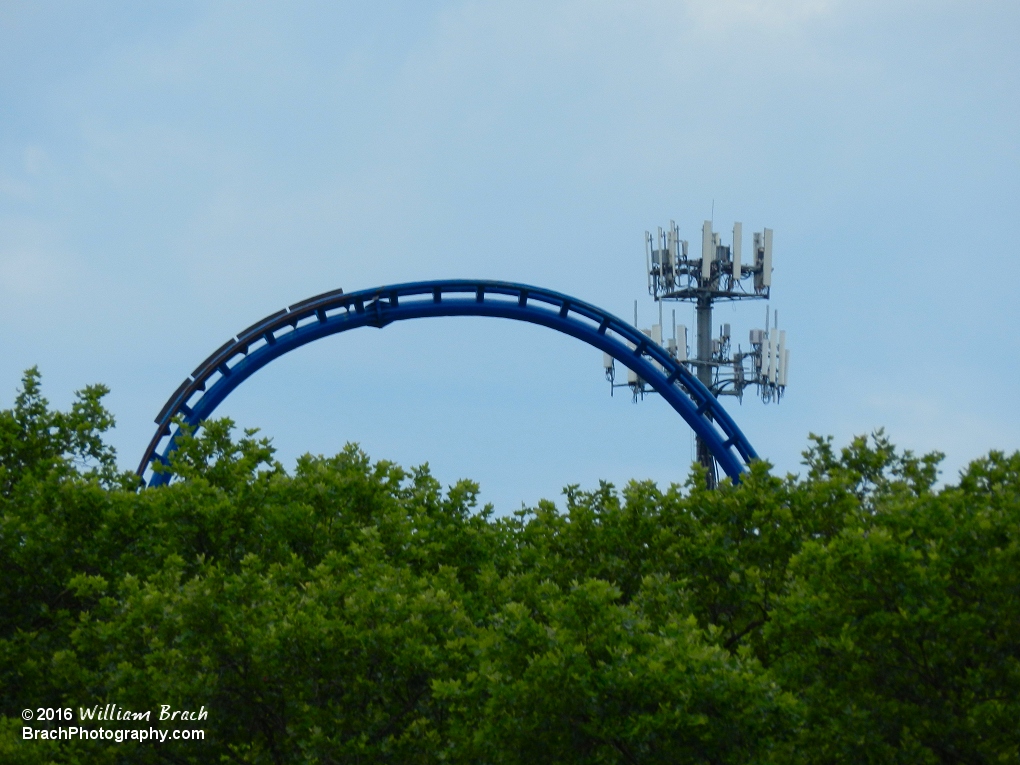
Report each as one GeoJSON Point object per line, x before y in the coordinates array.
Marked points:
{"type": "Point", "coordinates": [334, 312]}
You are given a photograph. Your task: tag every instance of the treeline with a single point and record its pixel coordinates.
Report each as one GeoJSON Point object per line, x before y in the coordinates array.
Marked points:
{"type": "Point", "coordinates": [355, 612]}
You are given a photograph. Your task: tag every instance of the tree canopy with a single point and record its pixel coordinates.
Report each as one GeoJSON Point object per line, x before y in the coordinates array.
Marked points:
{"type": "Point", "coordinates": [354, 611]}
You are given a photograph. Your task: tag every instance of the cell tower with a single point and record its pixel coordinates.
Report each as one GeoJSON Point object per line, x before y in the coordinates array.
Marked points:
{"type": "Point", "coordinates": [719, 274]}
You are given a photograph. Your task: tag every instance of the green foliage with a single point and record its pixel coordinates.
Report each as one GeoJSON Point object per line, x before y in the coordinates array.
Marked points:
{"type": "Point", "coordinates": [902, 631]}
{"type": "Point", "coordinates": [579, 677]}
{"type": "Point", "coordinates": [40, 444]}
{"type": "Point", "coordinates": [357, 612]}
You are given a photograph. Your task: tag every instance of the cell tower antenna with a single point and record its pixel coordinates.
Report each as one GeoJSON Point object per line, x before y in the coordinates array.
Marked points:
{"type": "Point", "coordinates": [721, 272]}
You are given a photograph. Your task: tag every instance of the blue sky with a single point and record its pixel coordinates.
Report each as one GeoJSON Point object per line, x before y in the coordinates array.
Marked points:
{"type": "Point", "coordinates": [169, 173]}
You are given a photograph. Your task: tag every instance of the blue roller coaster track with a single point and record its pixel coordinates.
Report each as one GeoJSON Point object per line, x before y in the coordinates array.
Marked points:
{"type": "Point", "coordinates": [333, 312]}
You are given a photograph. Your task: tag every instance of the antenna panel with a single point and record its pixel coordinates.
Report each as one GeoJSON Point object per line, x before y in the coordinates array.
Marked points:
{"type": "Point", "coordinates": [607, 361]}
{"type": "Point", "coordinates": [786, 367]}
{"type": "Point", "coordinates": [780, 354]}
{"type": "Point", "coordinates": [681, 342]}
{"type": "Point", "coordinates": [648, 259]}
{"type": "Point", "coordinates": [756, 255]}
{"type": "Point", "coordinates": [707, 251]}
{"type": "Point", "coordinates": [772, 358]}
{"type": "Point", "coordinates": [737, 240]}
{"type": "Point", "coordinates": [766, 265]}
{"type": "Point", "coordinates": [632, 378]}
{"type": "Point", "coordinates": [657, 334]}
{"type": "Point", "coordinates": [773, 366]}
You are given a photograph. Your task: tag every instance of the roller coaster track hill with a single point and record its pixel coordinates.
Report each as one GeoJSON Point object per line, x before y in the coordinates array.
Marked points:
{"type": "Point", "coordinates": [332, 312]}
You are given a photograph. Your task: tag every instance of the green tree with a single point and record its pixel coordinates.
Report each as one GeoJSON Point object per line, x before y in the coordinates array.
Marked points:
{"type": "Point", "coordinates": [354, 611]}
{"type": "Point", "coordinates": [901, 633]}
{"type": "Point", "coordinates": [56, 475]}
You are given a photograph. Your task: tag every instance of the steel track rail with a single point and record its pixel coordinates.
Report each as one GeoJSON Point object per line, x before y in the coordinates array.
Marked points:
{"type": "Point", "coordinates": [332, 312]}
